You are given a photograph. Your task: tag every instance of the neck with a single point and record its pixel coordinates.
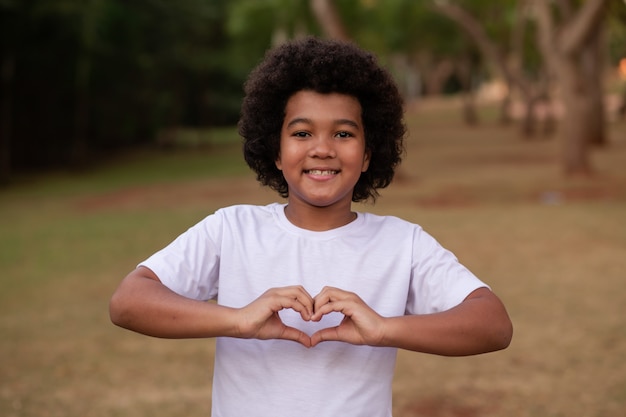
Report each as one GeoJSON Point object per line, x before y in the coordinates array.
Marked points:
{"type": "Point", "coordinates": [319, 219]}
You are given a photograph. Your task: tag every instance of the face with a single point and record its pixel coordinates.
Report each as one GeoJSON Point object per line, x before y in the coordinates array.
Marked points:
{"type": "Point", "coordinates": [322, 148]}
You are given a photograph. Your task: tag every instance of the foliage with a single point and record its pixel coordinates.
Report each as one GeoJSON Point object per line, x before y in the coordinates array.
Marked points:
{"type": "Point", "coordinates": [103, 75]}
{"type": "Point", "coordinates": [129, 68]}
{"type": "Point", "coordinates": [617, 31]}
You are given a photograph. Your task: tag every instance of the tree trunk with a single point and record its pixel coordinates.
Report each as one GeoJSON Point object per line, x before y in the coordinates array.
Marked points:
{"type": "Point", "coordinates": [505, 108]}
{"type": "Point", "coordinates": [529, 121]}
{"type": "Point", "coordinates": [437, 77]}
{"type": "Point", "coordinates": [549, 118]}
{"type": "Point", "coordinates": [329, 20]}
{"type": "Point", "coordinates": [592, 64]}
{"type": "Point", "coordinates": [570, 46]}
{"type": "Point", "coordinates": [578, 123]}
{"type": "Point", "coordinates": [507, 64]}
{"type": "Point", "coordinates": [464, 72]}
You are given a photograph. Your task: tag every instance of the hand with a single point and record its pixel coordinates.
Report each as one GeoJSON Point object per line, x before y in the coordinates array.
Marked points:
{"type": "Point", "coordinates": [260, 318]}
{"type": "Point", "coordinates": [361, 325]}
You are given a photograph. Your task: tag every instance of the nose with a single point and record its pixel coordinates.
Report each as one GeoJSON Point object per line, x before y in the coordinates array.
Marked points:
{"type": "Point", "coordinates": [323, 147]}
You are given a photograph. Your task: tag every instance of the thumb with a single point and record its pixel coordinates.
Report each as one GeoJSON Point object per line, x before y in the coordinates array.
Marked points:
{"type": "Point", "coordinates": [291, 333]}
{"type": "Point", "coordinates": [325, 335]}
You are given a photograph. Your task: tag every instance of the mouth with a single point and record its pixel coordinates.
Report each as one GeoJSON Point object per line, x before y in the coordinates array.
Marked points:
{"type": "Point", "coordinates": [321, 171]}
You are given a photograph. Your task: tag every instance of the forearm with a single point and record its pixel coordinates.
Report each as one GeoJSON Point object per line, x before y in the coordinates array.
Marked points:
{"type": "Point", "coordinates": [479, 324]}
{"type": "Point", "coordinates": [144, 305]}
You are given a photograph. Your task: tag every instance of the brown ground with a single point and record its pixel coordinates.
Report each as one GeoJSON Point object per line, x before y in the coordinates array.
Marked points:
{"type": "Point", "coordinates": [554, 249]}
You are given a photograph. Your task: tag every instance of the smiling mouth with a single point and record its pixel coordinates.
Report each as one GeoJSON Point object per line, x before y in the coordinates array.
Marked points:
{"type": "Point", "coordinates": [320, 171]}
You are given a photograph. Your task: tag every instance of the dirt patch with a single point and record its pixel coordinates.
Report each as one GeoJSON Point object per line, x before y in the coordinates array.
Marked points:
{"type": "Point", "coordinates": [517, 159]}
{"type": "Point", "coordinates": [245, 189]}
{"type": "Point", "coordinates": [220, 192]}
{"type": "Point", "coordinates": [468, 196]}
{"type": "Point", "coordinates": [450, 197]}
{"type": "Point", "coordinates": [597, 192]}
{"type": "Point", "coordinates": [440, 406]}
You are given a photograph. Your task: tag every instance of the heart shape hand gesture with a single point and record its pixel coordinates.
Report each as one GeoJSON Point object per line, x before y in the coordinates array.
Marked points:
{"type": "Point", "coordinates": [361, 325]}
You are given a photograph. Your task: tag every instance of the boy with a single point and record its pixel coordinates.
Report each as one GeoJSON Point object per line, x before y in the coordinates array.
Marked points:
{"type": "Point", "coordinates": [322, 125]}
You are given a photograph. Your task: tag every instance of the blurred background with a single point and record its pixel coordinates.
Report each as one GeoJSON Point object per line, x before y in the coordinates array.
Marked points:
{"type": "Point", "coordinates": [118, 132]}
{"type": "Point", "coordinates": [84, 78]}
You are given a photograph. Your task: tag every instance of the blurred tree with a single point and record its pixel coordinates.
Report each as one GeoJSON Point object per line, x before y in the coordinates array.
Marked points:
{"type": "Point", "coordinates": [617, 49]}
{"type": "Point", "coordinates": [164, 64]}
{"type": "Point", "coordinates": [329, 19]}
{"type": "Point", "coordinates": [425, 52]}
{"type": "Point", "coordinates": [499, 32]}
{"type": "Point", "coordinates": [570, 39]}
{"type": "Point", "coordinates": [81, 77]}
{"type": "Point", "coordinates": [86, 34]}
{"type": "Point", "coordinates": [617, 31]}
{"type": "Point", "coordinates": [39, 50]}
{"type": "Point", "coordinates": [255, 25]}
{"type": "Point", "coordinates": [432, 53]}
{"type": "Point", "coordinates": [9, 22]}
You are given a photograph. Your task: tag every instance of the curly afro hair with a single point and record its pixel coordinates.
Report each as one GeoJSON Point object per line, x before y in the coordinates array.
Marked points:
{"type": "Point", "coordinates": [323, 66]}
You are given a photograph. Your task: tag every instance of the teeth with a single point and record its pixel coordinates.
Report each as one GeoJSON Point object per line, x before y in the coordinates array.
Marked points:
{"type": "Point", "coordinates": [321, 172]}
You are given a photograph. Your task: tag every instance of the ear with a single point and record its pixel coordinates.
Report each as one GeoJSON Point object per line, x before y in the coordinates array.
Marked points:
{"type": "Point", "coordinates": [366, 160]}
{"type": "Point", "coordinates": [278, 163]}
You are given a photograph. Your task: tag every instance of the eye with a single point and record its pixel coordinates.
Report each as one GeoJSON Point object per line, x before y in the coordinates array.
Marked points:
{"type": "Point", "coordinates": [301, 134]}
{"type": "Point", "coordinates": [343, 134]}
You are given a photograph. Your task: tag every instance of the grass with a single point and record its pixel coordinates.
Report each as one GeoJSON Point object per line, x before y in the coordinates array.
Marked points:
{"type": "Point", "coordinates": [553, 249]}
{"type": "Point", "coordinates": [138, 168]}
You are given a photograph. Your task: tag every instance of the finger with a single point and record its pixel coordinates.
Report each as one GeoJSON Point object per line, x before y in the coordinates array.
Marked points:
{"type": "Point", "coordinates": [305, 299]}
{"type": "Point", "coordinates": [324, 306]}
{"type": "Point", "coordinates": [324, 335]}
{"type": "Point", "coordinates": [322, 310]}
{"type": "Point", "coordinates": [291, 333]}
{"type": "Point", "coordinates": [327, 292]}
{"type": "Point", "coordinates": [300, 295]}
{"type": "Point", "coordinates": [295, 304]}
{"type": "Point", "coordinates": [325, 297]}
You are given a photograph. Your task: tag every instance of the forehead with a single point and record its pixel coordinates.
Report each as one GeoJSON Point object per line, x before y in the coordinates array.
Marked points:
{"type": "Point", "coordinates": [312, 105]}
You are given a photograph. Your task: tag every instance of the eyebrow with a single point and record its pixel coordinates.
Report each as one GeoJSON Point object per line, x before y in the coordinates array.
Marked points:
{"type": "Point", "coordinates": [309, 121]}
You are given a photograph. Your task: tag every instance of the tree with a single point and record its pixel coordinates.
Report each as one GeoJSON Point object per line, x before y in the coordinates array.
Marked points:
{"type": "Point", "coordinates": [425, 52]}
{"type": "Point", "coordinates": [10, 17]}
{"type": "Point", "coordinates": [86, 34]}
{"type": "Point", "coordinates": [82, 77]}
{"type": "Point", "coordinates": [506, 54]}
{"type": "Point", "coordinates": [570, 36]}
{"type": "Point", "coordinates": [329, 19]}
{"type": "Point", "coordinates": [255, 25]}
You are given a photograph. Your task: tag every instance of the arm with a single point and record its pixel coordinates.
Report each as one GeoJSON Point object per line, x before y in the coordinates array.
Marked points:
{"type": "Point", "coordinates": [143, 304]}
{"type": "Point", "coordinates": [479, 324]}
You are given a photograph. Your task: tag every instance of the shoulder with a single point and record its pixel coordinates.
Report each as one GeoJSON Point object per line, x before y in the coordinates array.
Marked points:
{"type": "Point", "coordinates": [243, 214]}
{"type": "Point", "coordinates": [397, 229]}
{"type": "Point", "coordinates": [247, 210]}
{"type": "Point", "coordinates": [232, 220]}
{"type": "Point", "coordinates": [389, 223]}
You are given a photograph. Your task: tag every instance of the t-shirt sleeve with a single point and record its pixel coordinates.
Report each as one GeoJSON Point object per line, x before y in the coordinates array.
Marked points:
{"type": "Point", "coordinates": [439, 281]}
{"type": "Point", "coordinates": [189, 265]}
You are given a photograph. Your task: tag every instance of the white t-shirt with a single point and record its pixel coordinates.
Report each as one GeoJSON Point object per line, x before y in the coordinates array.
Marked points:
{"type": "Point", "coordinates": [239, 252]}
